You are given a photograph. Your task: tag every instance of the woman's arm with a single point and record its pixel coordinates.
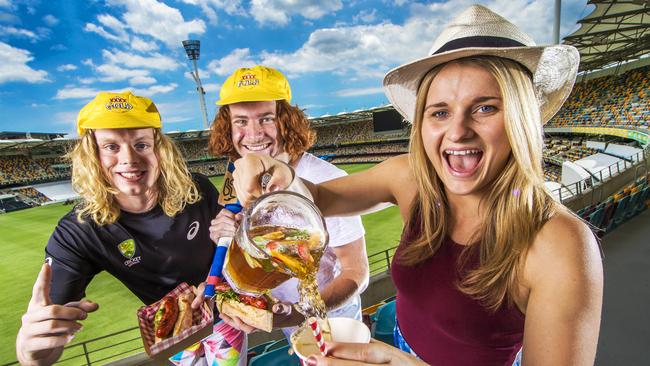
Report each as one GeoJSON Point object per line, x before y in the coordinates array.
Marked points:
{"type": "Point", "coordinates": [565, 276]}
{"type": "Point", "coordinates": [388, 182]}
{"type": "Point", "coordinates": [362, 192]}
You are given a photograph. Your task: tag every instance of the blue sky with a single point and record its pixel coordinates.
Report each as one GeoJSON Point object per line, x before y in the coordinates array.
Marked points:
{"type": "Point", "coordinates": [56, 55]}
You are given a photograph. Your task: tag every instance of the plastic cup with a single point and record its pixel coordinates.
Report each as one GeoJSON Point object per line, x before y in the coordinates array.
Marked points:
{"type": "Point", "coordinates": [343, 330]}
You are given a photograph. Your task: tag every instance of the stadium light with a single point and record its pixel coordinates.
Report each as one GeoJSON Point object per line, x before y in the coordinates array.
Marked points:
{"type": "Point", "coordinates": [193, 50]}
{"type": "Point", "coordinates": [556, 21]}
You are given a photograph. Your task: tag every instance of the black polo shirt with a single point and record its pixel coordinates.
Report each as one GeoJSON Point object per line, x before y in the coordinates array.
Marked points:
{"type": "Point", "coordinates": [150, 253]}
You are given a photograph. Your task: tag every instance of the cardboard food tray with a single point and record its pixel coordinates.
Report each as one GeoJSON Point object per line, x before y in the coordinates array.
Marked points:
{"type": "Point", "coordinates": [202, 319]}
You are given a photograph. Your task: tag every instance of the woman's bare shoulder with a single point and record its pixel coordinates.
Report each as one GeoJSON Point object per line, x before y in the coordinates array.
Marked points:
{"type": "Point", "coordinates": [565, 245]}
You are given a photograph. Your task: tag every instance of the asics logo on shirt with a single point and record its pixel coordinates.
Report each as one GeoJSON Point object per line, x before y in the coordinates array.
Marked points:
{"type": "Point", "coordinates": [194, 229]}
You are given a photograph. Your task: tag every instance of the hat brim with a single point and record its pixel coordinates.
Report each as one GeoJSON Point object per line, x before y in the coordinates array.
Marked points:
{"type": "Point", "coordinates": [252, 97]}
{"type": "Point", "coordinates": [401, 83]}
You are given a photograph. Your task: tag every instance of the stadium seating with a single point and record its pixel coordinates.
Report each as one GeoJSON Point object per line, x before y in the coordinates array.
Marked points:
{"type": "Point", "coordinates": [384, 323]}
{"type": "Point", "coordinates": [273, 353]}
{"type": "Point", "coordinates": [619, 207]}
{"type": "Point", "coordinates": [610, 101]}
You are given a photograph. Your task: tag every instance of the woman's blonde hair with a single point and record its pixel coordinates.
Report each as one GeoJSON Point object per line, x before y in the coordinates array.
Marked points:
{"type": "Point", "coordinates": [516, 207]}
{"type": "Point", "coordinates": [175, 186]}
{"type": "Point", "coordinates": [291, 122]}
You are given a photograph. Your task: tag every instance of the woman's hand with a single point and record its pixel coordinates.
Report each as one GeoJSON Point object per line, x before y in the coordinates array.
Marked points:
{"type": "Point", "coordinates": [248, 176]}
{"type": "Point", "coordinates": [47, 327]}
{"type": "Point", "coordinates": [224, 225]}
{"type": "Point", "coordinates": [357, 354]}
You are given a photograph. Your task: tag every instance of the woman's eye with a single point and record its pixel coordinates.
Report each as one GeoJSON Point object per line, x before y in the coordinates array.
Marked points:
{"type": "Point", "coordinates": [439, 114]}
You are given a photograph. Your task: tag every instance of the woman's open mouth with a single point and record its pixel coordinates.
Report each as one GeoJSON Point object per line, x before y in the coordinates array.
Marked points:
{"type": "Point", "coordinates": [463, 163]}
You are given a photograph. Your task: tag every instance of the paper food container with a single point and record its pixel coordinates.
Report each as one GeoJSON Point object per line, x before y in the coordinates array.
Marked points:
{"type": "Point", "coordinates": [202, 320]}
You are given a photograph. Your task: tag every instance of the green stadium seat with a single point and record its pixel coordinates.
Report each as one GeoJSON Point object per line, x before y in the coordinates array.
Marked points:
{"type": "Point", "coordinates": [260, 348]}
{"type": "Point", "coordinates": [596, 217]}
{"type": "Point", "coordinates": [276, 357]}
{"type": "Point", "coordinates": [619, 214]}
{"type": "Point", "coordinates": [384, 323]}
{"type": "Point", "coordinates": [630, 210]}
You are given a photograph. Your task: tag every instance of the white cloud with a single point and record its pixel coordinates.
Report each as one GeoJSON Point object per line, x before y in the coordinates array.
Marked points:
{"type": "Point", "coordinates": [86, 81]}
{"type": "Point", "coordinates": [365, 16]}
{"type": "Point", "coordinates": [210, 7]}
{"type": "Point", "coordinates": [6, 4]}
{"type": "Point", "coordinates": [66, 67]}
{"type": "Point", "coordinates": [66, 118]}
{"type": "Point", "coordinates": [142, 80]}
{"type": "Point", "coordinates": [50, 20]}
{"type": "Point", "coordinates": [361, 51]}
{"type": "Point", "coordinates": [359, 91]}
{"type": "Point", "coordinates": [38, 105]}
{"type": "Point", "coordinates": [279, 12]}
{"type": "Point", "coordinates": [75, 93]}
{"type": "Point", "coordinates": [239, 57]}
{"type": "Point", "coordinates": [13, 66]}
{"type": "Point", "coordinates": [212, 87]}
{"type": "Point", "coordinates": [141, 45]}
{"type": "Point", "coordinates": [369, 51]}
{"type": "Point", "coordinates": [156, 89]}
{"type": "Point", "coordinates": [111, 73]}
{"type": "Point", "coordinates": [154, 61]}
{"type": "Point", "coordinates": [90, 27]}
{"type": "Point", "coordinates": [178, 111]}
{"type": "Point", "coordinates": [113, 24]}
{"type": "Point", "coordinates": [59, 47]}
{"type": "Point", "coordinates": [18, 32]}
{"type": "Point", "coordinates": [157, 20]}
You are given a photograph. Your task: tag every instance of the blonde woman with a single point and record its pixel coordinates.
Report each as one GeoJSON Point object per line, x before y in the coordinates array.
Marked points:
{"type": "Point", "coordinates": [143, 218]}
{"type": "Point", "coordinates": [488, 261]}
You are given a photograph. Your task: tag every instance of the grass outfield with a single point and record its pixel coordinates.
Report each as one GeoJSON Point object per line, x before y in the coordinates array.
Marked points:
{"type": "Point", "coordinates": [23, 235]}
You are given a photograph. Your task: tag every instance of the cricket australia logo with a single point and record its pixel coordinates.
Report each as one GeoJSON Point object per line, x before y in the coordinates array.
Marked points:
{"type": "Point", "coordinates": [127, 248]}
{"type": "Point", "coordinates": [194, 229]}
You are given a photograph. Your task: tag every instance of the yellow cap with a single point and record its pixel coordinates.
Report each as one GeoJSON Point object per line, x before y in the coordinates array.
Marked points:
{"type": "Point", "coordinates": [118, 110]}
{"type": "Point", "coordinates": [255, 84]}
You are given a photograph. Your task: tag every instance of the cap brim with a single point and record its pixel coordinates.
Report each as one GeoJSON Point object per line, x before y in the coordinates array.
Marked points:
{"type": "Point", "coordinates": [401, 83]}
{"type": "Point", "coordinates": [262, 97]}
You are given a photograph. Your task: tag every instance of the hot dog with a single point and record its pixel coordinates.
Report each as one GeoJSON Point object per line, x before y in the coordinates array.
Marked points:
{"type": "Point", "coordinates": [165, 317]}
{"type": "Point", "coordinates": [184, 320]}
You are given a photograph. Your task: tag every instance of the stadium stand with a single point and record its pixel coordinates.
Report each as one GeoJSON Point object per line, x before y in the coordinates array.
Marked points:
{"type": "Point", "coordinates": [621, 100]}
{"type": "Point", "coordinates": [619, 207]}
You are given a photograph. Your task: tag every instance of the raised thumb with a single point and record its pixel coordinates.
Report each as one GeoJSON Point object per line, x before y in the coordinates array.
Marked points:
{"type": "Point", "coordinates": [41, 289]}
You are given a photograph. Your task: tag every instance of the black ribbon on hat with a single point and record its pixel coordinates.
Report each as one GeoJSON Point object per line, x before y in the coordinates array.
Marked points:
{"type": "Point", "coordinates": [478, 42]}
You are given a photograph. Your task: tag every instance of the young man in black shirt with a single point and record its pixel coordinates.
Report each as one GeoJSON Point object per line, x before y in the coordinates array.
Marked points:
{"type": "Point", "coordinates": [143, 218]}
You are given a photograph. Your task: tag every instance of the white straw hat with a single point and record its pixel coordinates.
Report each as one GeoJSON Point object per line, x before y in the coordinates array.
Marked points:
{"type": "Point", "coordinates": [480, 31]}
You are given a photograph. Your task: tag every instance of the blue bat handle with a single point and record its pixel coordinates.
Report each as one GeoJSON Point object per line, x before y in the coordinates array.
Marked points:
{"type": "Point", "coordinates": [216, 269]}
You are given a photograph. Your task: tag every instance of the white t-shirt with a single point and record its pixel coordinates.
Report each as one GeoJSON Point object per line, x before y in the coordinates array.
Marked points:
{"type": "Point", "coordinates": [342, 230]}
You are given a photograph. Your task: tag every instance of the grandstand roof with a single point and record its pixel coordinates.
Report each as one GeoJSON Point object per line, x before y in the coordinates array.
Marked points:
{"type": "Point", "coordinates": [29, 135]}
{"type": "Point", "coordinates": [615, 31]}
{"type": "Point", "coordinates": [345, 117]}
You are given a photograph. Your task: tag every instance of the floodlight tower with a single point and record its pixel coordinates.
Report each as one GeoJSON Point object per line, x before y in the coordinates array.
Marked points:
{"type": "Point", "coordinates": [193, 49]}
{"type": "Point", "coordinates": [556, 21]}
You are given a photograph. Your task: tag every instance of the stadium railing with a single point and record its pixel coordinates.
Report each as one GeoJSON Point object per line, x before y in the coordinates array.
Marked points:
{"type": "Point", "coordinates": [100, 350]}
{"type": "Point", "coordinates": [590, 185]}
